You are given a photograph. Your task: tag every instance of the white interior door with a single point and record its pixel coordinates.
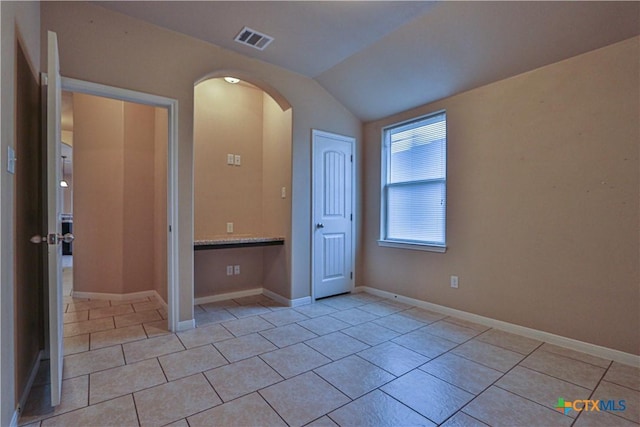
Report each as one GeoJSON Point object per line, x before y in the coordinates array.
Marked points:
{"type": "Point", "coordinates": [332, 214]}
{"type": "Point", "coordinates": [53, 218]}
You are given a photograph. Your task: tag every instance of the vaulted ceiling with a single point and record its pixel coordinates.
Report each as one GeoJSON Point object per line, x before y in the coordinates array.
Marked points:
{"type": "Point", "coordinates": [382, 57]}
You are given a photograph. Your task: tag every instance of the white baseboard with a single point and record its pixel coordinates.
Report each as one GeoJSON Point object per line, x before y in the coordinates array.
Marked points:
{"type": "Point", "coordinates": [285, 301]}
{"type": "Point", "coordinates": [592, 349]}
{"type": "Point", "coordinates": [14, 419]}
{"type": "Point", "coordinates": [276, 297]}
{"type": "Point", "coordinates": [300, 301]}
{"type": "Point", "coordinates": [117, 297]}
{"type": "Point", "coordinates": [251, 292]}
{"type": "Point", "coordinates": [32, 376]}
{"type": "Point", "coordinates": [228, 295]}
{"type": "Point", "coordinates": [185, 325]}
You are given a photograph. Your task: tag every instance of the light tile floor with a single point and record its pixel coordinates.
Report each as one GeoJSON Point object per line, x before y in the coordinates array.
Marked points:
{"type": "Point", "coordinates": [351, 360]}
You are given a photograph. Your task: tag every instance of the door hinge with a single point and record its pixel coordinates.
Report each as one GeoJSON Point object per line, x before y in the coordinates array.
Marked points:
{"type": "Point", "coordinates": [351, 217]}
{"type": "Point", "coordinates": [352, 158]}
{"type": "Point", "coordinates": [351, 275]}
{"type": "Point", "coordinates": [169, 229]}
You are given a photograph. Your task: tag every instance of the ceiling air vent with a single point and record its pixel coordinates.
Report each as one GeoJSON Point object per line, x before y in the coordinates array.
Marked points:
{"type": "Point", "coordinates": [253, 38]}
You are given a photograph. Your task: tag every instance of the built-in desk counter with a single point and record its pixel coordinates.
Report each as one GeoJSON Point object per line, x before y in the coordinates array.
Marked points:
{"type": "Point", "coordinates": [249, 263]}
{"type": "Point", "coordinates": [229, 242]}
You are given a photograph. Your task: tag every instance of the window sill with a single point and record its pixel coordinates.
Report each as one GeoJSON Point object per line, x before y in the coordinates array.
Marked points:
{"type": "Point", "coordinates": [412, 246]}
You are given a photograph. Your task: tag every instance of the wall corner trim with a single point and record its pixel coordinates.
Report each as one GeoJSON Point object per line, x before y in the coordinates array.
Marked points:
{"type": "Point", "coordinates": [185, 325]}
{"type": "Point", "coordinates": [300, 301]}
{"type": "Point", "coordinates": [288, 302]}
{"type": "Point", "coordinates": [276, 297]}
{"type": "Point", "coordinates": [584, 347]}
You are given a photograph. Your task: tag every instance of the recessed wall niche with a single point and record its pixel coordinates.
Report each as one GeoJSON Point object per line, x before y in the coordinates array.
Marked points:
{"type": "Point", "coordinates": [240, 122]}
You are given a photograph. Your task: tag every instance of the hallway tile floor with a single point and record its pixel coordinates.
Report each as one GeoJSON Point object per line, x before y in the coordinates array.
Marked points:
{"type": "Point", "coordinates": [350, 360]}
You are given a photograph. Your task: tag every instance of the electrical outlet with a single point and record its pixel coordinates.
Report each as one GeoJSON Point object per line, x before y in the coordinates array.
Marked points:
{"type": "Point", "coordinates": [454, 282]}
{"type": "Point", "coordinates": [237, 160]}
{"type": "Point", "coordinates": [229, 270]}
{"type": "Point", "coordinates": [236, 269]}
{"type": "Point", "coordinates": [229, 227]}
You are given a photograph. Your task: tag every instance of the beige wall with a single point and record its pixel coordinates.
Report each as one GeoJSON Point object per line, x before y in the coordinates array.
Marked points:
{"type": "Point", "coordinates": [276, 211]}
{"type": "Point", "coordinates": [18, 20]}
{"type": "Point", "coordinates": [542, 202]}
{"type": "Point", "coordinates": [109, 48]}
{"type": "Point", "coordinates": [228, 120]}
{"type": "Point", "coordinates": [276, 168]}
{"type": "Point", "coordinates": [138, 252]}
{"type": "Point", "coordinates": [118, 246]}
{"type": "Point", "coordinates": [210, 270]}
{"type": "Point", "coordinates": [98, 222]}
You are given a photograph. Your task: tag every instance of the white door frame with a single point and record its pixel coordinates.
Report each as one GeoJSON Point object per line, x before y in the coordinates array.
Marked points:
{"type": "Point", "coordinates": [89, 88]}
{"type": "Point", "coordinates": [351, 140]}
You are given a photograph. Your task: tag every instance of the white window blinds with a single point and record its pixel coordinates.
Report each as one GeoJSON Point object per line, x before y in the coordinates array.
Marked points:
{"type": "Point", "coordinates": [414, 193]}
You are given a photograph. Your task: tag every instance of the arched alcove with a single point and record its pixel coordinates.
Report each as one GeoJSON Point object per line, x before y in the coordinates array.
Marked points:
{"type": "Point", "coordinates": [242, 182]}
{"type": "Point", "coordinates": [248, 78]}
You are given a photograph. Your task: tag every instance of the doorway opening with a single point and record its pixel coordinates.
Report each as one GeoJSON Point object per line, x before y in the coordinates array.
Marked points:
{"type": "Point", "coordinates": [114, 187]}
{"type": "Point", "coordinates": [121, 194]}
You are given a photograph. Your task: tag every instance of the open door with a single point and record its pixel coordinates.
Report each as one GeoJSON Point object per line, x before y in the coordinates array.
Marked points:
{"type": "Point", "coordinates": [54, 223]}
{"type": "Point", "coordinates": [332, 214]}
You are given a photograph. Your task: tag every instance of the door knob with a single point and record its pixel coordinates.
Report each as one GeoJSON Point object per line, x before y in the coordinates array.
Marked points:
{"type": "Point", "coordinates": [66, 238]}
{"type": "Point", "coordinates": [38, 239]}
{"type": "Point", "coordinates": [319, 225]}
{"type": "Point", "coordinates": [53, 239]}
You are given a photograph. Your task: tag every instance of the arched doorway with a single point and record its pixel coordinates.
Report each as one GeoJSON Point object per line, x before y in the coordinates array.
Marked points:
{"type": "Point", "coordinates": [242, 182]}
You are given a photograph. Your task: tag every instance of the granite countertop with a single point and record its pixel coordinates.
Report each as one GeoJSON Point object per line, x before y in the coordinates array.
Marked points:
{"type": "Point", "coordinates": [238, 240]}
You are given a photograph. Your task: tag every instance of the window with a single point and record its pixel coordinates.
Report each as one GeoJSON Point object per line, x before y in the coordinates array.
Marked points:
{"type": "Point", "coordinates": [414, 184]}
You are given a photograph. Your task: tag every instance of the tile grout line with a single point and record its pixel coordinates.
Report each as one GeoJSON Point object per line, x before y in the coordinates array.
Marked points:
{"type": "Point", "coordinates": [558, 378]}
{"type": "Point", "coordinates": [476, 395]}
{"type": "Point", "coordinates": [598, 385]}
{"type": "Point", "coordinates": [494, 384]}
{"type": "Point", "coordinates": [269, 404]}
{"type": "Point", "coordinates": [350, 326]}
{"type": "Point", "coordinates": [135, 407]}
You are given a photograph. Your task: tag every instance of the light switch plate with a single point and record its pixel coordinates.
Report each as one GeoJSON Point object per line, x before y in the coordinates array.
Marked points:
{"type": "Point", "coordinates": [11, 160]}
{"type": "Point", "coordinates": [283, 192]}
{"type": "Point", "coordinates": [237, 160]}
{"type": "Point", "coordinates": [454, 282]}
{"type": "Point", "coordinates": [230, 159]}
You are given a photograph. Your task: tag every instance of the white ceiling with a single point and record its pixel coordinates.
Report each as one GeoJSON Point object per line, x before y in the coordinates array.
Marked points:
{"type": "Point", "coordinates": [382, 57]}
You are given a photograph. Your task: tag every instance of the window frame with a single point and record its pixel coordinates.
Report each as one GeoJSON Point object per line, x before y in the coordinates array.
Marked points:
{"type": "Point", "coordinates": [385, 177]}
